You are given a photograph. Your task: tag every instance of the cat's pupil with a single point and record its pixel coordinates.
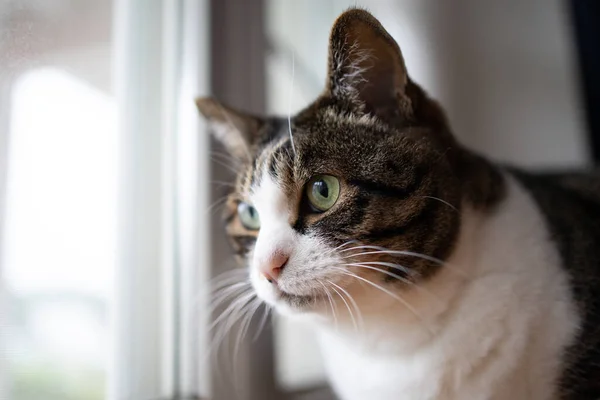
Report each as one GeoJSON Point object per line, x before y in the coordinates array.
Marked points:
{"type": "Point", "coordinates": [321, 188]}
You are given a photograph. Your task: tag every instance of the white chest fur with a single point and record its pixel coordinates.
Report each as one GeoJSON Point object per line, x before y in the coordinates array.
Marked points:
{"type": "Point", "coordinates": [506, 318]}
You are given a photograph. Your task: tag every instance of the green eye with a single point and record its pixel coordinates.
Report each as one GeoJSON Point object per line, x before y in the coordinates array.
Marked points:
{"type": "Point", "coordinates": [323, 191]}
{"type": "Point", "coordinates": [248, 216]}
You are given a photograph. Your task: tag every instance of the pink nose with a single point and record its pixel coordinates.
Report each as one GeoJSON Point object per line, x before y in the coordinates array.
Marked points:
{"type": "Point", "coordinates": [272, 268]}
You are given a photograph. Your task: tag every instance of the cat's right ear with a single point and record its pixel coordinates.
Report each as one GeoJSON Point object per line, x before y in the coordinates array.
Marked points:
{"type": "Point", "coordinates": [366, 67]}
{"type": "Point", "coordinates": [234, 129]}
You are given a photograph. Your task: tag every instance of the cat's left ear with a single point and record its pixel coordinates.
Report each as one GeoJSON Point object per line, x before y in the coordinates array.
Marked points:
{"type": "Point", "coordinates": [234, 129]}
{"type": "Point", "coordinates": [366, 67]}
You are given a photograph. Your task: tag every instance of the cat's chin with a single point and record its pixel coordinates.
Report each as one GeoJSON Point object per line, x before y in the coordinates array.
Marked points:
{"type": "Point", "coordinates": [300, 302]}
{"type": "Point", "coordinates": [286, 302]}
{"type": "Point", "coordinates": [295, 305]}
{"type": "Point", "coordinates": [301, 307]}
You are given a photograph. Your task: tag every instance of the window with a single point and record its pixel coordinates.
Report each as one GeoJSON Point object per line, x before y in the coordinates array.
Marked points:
{"type": "Point", "coordinates": [60, 237]}
{"type": "Point", "coordinates": [100, 158]}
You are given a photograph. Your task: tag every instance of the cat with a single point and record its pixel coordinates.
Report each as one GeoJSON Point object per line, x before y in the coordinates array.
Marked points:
{"type": "Point", "coordinates": [427, 271]}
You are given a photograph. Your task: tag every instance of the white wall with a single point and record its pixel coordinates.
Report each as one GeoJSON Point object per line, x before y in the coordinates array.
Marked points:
{"type": "Point", "coordinates": [504, 71]}
{"type": "Point", "coordinates": [508, 80]}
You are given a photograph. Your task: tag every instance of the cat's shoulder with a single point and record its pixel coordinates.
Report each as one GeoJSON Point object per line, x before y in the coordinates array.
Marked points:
{"type": "Point", "coordinates": [570, 203]}
{"type": "Point", "coordinates": [582, 186]}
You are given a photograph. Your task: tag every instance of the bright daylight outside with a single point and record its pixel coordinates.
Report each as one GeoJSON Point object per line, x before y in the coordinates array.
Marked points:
{"type": "Point", "coordinates": [61, 202]}
{"type": "Point", "coordinates": [58, 250]}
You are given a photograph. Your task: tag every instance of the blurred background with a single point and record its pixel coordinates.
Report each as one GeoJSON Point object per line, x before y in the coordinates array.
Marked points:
{"type": "Point", "coordinates": [110, 191]}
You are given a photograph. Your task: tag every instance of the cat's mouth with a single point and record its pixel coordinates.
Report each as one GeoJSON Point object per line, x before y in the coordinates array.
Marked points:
{"type": "Point", "coordinates": [299, 301]}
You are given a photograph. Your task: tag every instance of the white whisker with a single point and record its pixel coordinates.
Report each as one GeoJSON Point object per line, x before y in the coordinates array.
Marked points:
{"type": "Point", "coordinates": [224, 164]}
{"type": "Point", "coordinates": [219, 202]}
{"type": "Point", "coordinates": [257, 305]}
{"type": "Point", "coordinates": [221, 287]}
{"type": "Point", "coordinates": [383, 250]}
{"type": "Point", "coordinates": [225, 280]}
{"type": "Point", "coordinates": [241, 314]}
{"type": "Point", "coordinates": [333, 313]}
{"type": "Point", "coordinates": [391, 294]}
{"type": "Point", "coordinates": [389, 265]}
{"type": "Point", "coordinates": [400, 278]}
{"type": "Point", "coordinates": [263, 321]}
{"type": "Point", "coordinates": [239, 302]}
{"type": "Point", "coordinates": [233, 276]}
{"type": "Point", "coordinates": [347, 306]}
{"type": "Point", "coordinates": [223, 183]}
{"type": "Point", "coordinates": [351, 299]}
{"type": "Point", "coordinates": [227, 292]}
{"type": "Point", "coordinates": [441, 200]}
{"type": "Point", "coordinates": [338, 247]}
{"type": "Point", "coordinates": [230, 314]}
{"type": "Point", "coordinates": [246, 317]}
{"type": "Point", "coordinates": [226, 157]}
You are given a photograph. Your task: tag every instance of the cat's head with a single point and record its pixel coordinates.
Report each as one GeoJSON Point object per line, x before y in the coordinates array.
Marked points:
{"type": "Point", "coordinates": [360, 194]}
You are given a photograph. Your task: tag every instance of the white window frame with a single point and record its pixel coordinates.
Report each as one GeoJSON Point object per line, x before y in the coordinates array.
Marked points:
{"type": "Point", "coordinates": [163, 259]}
{"type": "Point", "coordinates": [5, 94]}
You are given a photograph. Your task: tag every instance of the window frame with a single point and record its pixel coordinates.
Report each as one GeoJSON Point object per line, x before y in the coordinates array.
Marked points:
{"type": "Point", "coordinates": [238, 52]}
{"type": "Point", "coordinates": [5, 110]}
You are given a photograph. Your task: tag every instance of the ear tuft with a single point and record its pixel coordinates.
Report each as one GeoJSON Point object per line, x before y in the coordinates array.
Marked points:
{"type": "Point", "coordinates": [366, 66]}
{"type": "Point", "coordinates": [234, 129]}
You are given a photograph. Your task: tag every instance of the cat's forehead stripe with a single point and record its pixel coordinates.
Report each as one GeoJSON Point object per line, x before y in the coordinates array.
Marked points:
{"type": "Point", "coordinates": [271, 158]}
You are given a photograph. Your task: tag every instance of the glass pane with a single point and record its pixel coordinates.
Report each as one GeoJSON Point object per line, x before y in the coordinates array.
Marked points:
{"type": "Point", "coordinates": [58, 255]}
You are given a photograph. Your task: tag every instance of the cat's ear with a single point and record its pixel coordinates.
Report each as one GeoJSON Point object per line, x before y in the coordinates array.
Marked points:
{"type": "Point", "coordinates": [366, 67]}
{"type": "Point", "coordinates": [234, 129]}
